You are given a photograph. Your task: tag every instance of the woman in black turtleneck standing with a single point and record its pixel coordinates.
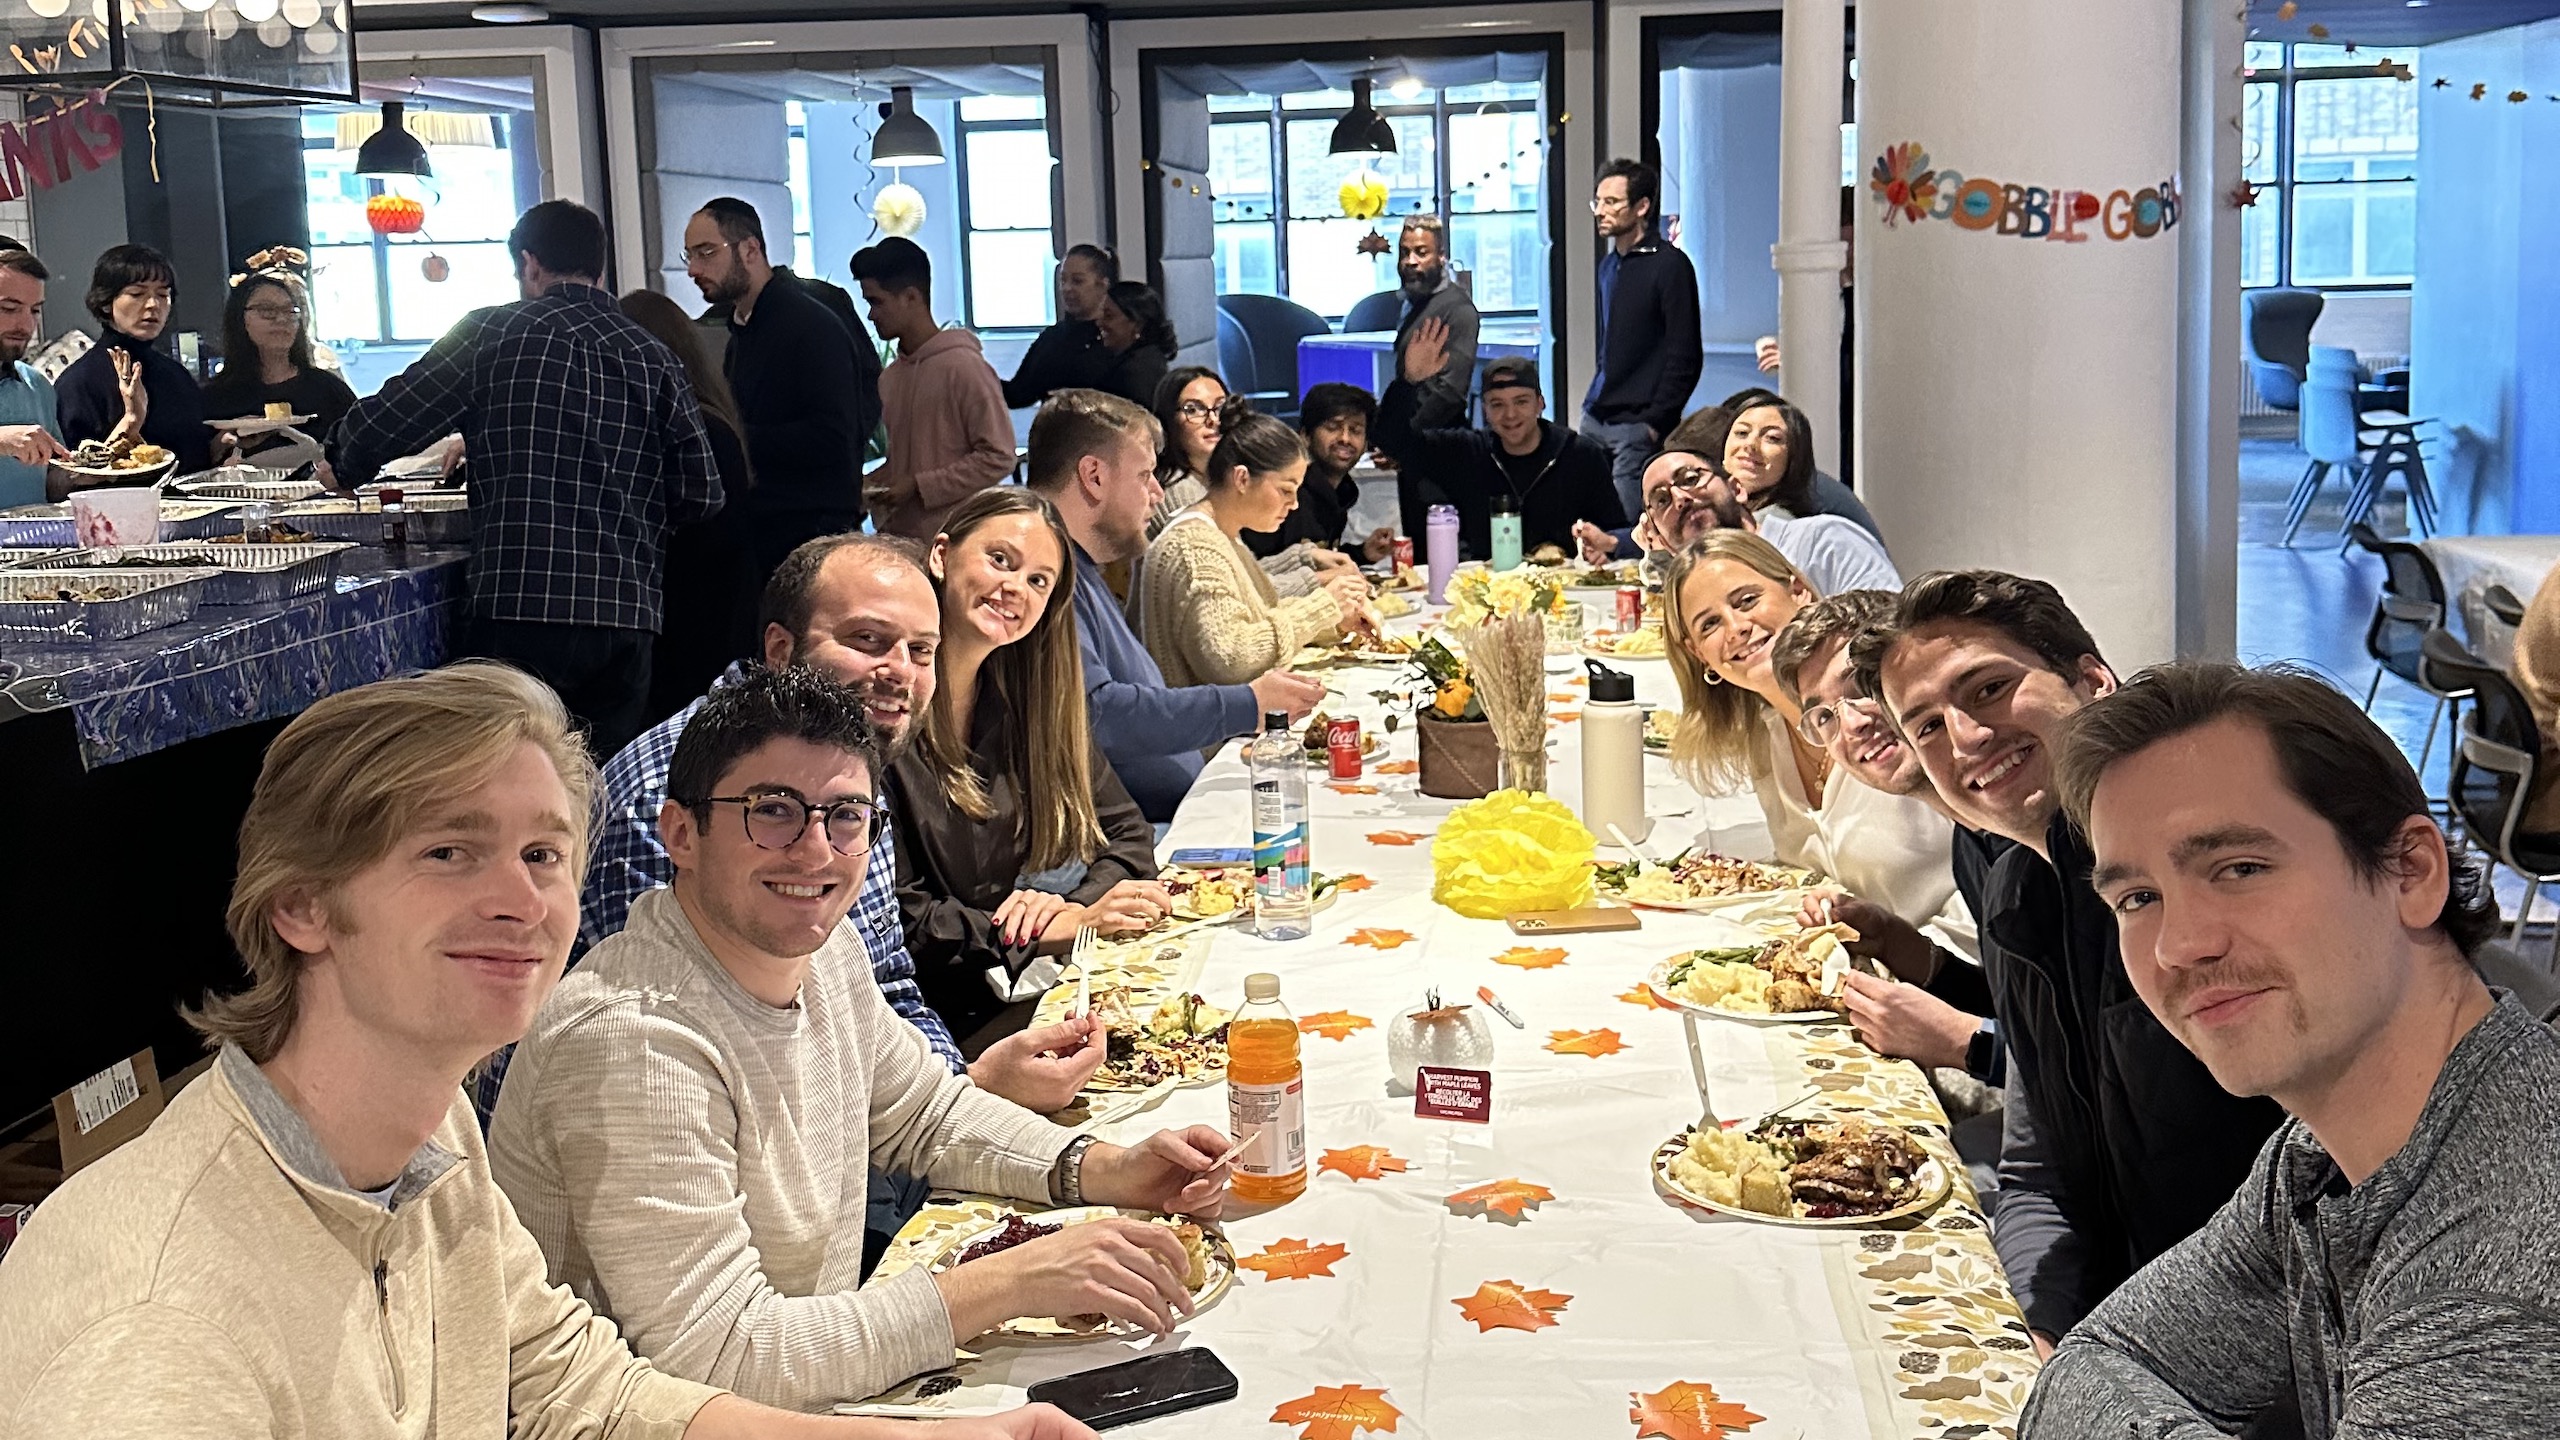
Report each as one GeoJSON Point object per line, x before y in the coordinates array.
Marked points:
{"type": "Point", "coordinates": [131, 293]}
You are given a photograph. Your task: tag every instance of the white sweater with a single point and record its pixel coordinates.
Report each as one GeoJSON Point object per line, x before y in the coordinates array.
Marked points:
{"type": "Point", "coordinates": [1891, 849]}
{"type": "Point", "coordinates": [694, 1162]}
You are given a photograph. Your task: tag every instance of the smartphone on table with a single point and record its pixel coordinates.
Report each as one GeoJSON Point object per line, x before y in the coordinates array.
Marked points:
{"type": "Point", "coordinates": [1164, 1383]}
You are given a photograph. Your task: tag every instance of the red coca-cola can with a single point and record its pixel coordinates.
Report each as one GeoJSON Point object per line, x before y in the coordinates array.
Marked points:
{"type": "Point", "coordinates": [1404, 552]}
{"type": "Point", "coordinates": [1630, 607]}
{"type": "Point", "coordinates": [1342, 743]}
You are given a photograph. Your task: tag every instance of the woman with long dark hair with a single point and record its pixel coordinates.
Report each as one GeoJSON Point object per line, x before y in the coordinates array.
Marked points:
{"type": "Point", "coordinates": [1139, 339]}
{"type": "Point", "coordinates": [267, 363]}
{"type": "Point", "coordinates": [1764, 444]}
{"type": "Point", "coordinates": [1013, 831]}
{"type": "Point", "coordinates": [1069, 354]}
{"type": "Point", "coordinates": [1210, 614]}
{"type": "Point", "coordinates": [710, 582]}
{"type": "Point", "coordinates": [126, 385]}
{"type": "Point", "coordinates": [1187, 403]}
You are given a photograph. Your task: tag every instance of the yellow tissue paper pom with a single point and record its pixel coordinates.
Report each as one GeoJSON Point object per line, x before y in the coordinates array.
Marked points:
{"type": "Point", "coordinates": [1364, 196]}
{"type": "Point", "coordinates": [1511, 851]}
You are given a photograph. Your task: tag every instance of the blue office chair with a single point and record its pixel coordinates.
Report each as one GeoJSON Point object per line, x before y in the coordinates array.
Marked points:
{"type": "Point", "coordinates": [1272, 328]}
{"type": "Point", "coordinates": [2276, 331]}
{"type": "Point", "coordinates": [1382, 311]}
{"type": "Point", "coordinates": [2328, 402]}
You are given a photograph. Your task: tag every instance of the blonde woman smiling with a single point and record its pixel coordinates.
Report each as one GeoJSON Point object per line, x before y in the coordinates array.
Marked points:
{"type": "Point", "coordinates": [1724, 602]}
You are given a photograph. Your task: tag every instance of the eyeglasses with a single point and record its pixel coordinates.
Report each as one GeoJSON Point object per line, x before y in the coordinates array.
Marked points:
{"type": "Point", "coordinates": [776, 820]}
{"type": "Point", "coordinates": [1687, 480]}
{"type": "Point", "coordinates": [276, 312]}
{"type": "Point", "coordinates": [707, 249]}
{"type": "Point", "coordinates": [1820, 724]}
{"type": "Point", "coordinates": [1603, 204]}
{"type": "Point", "coordinates": [1194, 410]}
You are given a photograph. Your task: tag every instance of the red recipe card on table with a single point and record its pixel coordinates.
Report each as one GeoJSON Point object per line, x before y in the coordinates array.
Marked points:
{"type": "Point", "coordinates": [1443, 1093]}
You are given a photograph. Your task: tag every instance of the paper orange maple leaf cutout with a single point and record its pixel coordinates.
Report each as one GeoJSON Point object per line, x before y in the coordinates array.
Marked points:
{"type": "Point", "coordinates": [1333, 1024]}
{"type": "Point", "coordinates": [1397, 767]}
{"type": "Point", "coordinates": [1506, 1304]}
{"type": "Point", "coordinates": [1344, 787]}
{"type": "Point", "coordinates": [1338, 1412]}
{"type": "Point", "coordinates": [1353, 884]}
{"type": "Point", "coordinates": [1594, 1043]}
{"type": "Point", "coordinates": [1295, 1259]}
{"type": "Point", "coordinates": [1378, 939]}
{"type": "Point", "coordinates": [1683, 1411]}
{"type": "Point", "coordinates": [1529, 957]}
{"type": "Point", "coordinates": [1502, 1200]}
{"type": "Point", "coordinates": [1361, 1162]}
{"type": "Point", "coordinates": [1640, 996]}
{"type": "Point", "coordinates": [1567, 717]}
{"type": "Point", "coordinates": [1562, 697]}
{"type": "Point", "coordinates": [1392, 837]}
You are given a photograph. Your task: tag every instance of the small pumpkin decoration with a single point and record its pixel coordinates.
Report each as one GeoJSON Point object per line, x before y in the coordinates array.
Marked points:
{"type": "Point", "coordinates": [1451, 1036]}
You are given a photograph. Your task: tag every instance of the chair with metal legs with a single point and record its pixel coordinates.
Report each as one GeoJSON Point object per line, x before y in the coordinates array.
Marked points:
{"type": "Point", "coordinates": [2445, 668]}
{"type": "Point", "coordinates": [2328, 436]}
{"type": "Point", "coordinates": [2497, 759]}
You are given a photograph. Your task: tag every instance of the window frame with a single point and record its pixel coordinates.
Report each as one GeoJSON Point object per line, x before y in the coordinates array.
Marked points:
{"type": "Point", "coordinates": [1275, 122]}
{"type": "Point", "coordinates": [2284, 188]}
{"type": "Point", "coordinates": [961, 131]}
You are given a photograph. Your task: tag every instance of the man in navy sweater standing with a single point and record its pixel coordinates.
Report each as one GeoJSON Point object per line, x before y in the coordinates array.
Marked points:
{"type": "Point", "coordinates": [1094, 455]}
{"type": "Point", "coordinates": [1650, 354]}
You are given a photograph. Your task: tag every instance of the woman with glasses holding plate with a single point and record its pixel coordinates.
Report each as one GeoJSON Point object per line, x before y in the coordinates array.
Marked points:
{"type": "Point", "coordinates": [1012, 830]}
{"type": "Point", "coordinates": [268, 373]}
{"type": "Point", "coordinates": [1728, 599]}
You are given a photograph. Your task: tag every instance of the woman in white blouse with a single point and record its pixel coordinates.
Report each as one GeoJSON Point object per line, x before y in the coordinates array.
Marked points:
{"type": "Point", "coordinates": [1724, 601]}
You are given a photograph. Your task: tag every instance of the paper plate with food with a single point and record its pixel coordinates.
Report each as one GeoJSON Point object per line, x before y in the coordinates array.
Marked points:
{"type": "Point", "coordinates": [1644, 643]}
{"type": "Point", "coordinates": [1659, 727]}
{"type": "Point", "coordinates": [125, 462]}
{"type": "Point", "coordinates": [1182, 1040]}
{"type": "Point", "coordinates": [1700, 880]}
{"type": "Point", "coordinates": [1225, 892]}
{"type": "Point", "coordinates": [1784, 980]}
{"type": "Point", "coordinates": [1209, 1265]}
{"type": "Point", "coordinates": [1829, 1173]}
{"type": "Point", "coordinates": [1604, 577]}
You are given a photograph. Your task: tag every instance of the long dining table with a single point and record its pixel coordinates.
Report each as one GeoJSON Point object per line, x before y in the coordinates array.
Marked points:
{"type": "Point", "coordinates": [1526, 1276]}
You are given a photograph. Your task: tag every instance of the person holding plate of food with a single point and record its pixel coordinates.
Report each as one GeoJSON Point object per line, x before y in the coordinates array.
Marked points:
{"type": "Point", "coordinates": [127, 388]}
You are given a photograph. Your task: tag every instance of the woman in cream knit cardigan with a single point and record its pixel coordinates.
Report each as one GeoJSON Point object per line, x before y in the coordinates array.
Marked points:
{"type": "Point", "coordinates": [1209, 612]}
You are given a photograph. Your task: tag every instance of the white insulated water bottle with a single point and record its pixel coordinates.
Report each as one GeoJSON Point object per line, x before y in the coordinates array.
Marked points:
{"type": "Point", "coordinates": [1613, 755]}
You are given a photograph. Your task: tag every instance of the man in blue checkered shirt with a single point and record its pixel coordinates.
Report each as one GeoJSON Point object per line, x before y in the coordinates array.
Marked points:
{"type": "Point", "coordinates": [862, 609]}
{"type": "Point", "coordinates": [585, 448]}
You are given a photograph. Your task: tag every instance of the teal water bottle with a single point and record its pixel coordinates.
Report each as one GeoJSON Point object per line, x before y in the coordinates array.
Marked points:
{"type": "Point", "coordinates": [1506, 534]}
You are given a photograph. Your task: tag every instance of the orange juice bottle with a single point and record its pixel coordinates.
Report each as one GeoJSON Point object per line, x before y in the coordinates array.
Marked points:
{"type": "Point", "coordinates": [1266, 1096]}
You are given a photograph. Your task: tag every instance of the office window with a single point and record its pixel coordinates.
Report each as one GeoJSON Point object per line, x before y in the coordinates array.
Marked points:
{"type": "Point", "coordinates": [372, 288]}
{"type": "Point", "coordinates": [1008, 258]}
{"type": "Point", "coordinates": [804, 251]}
{"type": "Point", "coordinates": [1470, 154]}
{"type": "Point", "coordinates": [2333, 144]}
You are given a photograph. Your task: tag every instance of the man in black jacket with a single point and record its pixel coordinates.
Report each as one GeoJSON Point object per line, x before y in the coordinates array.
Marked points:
{"type": "Point", "coordinates": [1650, 354]}
{"type": "Point", "coordinates": [2118, 1143]}
{"type": "Point", "coordinates": [795, 364]}
{"type": "Point", "coordinates": [1550, 475]}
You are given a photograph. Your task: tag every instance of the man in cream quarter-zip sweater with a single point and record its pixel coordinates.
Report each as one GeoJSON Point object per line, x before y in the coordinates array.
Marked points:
{"type": "Point", "coordinates": [308, 1242]}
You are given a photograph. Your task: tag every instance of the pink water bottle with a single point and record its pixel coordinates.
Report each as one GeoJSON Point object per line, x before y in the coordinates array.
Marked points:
{"type": "Point", "coordinates": [1440, 530]}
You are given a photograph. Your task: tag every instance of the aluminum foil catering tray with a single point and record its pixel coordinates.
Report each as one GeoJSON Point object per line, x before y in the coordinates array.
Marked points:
{"type": "Point", "coordinates": [103, 604]}
{"type": "Point", "coordinates": [246, 574]}
{"type": "Point", "coordinates": [247, 482]}
{"type": "Point", "coordinates": [49, 526]}
{"type": "Point", "coordinates": [435, 518]}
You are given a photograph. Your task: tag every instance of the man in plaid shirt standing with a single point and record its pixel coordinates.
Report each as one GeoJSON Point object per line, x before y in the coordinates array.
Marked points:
{"type": "Point", "coordinates": [585, 449]}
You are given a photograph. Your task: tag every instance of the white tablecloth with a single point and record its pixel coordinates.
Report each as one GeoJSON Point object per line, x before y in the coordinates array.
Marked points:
{"type": "Point", "coordinates": [2470, 564]}
{"type": "Point", "coordinates": [1891, 1332]}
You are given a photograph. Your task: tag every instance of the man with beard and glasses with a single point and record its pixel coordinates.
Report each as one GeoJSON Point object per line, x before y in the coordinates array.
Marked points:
{"type": "Point", "coordinates": [1335, 418]}
{"type": "Point", "coordinates": [861, 610]}
{"type": "Point", "coordinates": [29, 428]}
{"type": "Point", "coordinates": [1432, 293]}
{"type": "Point", "coordinates": [1093, 455]}
{"type": "Point", "coordinates": [795, 364]}
{"type": "Point", "coordinates": [689, 1123]}
{"type": "Point", "coordinates": [1684, 498]}
{"type": "Point", "coordinates": [2288, 907]}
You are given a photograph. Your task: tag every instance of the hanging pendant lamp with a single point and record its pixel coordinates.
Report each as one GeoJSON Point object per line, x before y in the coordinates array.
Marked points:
{"type": "Point", "coordinates": [904, 138]}
{"type": "Point", "coordinates": [392, 150]}
{"type": "Point", "coordinates": [1363, 131]}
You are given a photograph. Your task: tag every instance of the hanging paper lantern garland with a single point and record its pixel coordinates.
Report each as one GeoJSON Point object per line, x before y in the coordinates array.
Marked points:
{"type": "Point", "coordinates": [898, 209]}
{"type": "Point", "coordinates": [395, 215]}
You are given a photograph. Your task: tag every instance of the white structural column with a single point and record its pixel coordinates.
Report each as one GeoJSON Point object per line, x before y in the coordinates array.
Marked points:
{"type": "Point", "coordinates": [1809, 253]}
{"type": "Point", "coordinates": [2018, 344]}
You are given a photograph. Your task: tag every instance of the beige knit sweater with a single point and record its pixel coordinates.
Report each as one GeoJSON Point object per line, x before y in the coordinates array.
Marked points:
{"type": "Point", "coordinates": [1210, 614]}
{"type": "Point", "coordinates": [694, 1162]}
{"type": "Point", "coordinates": [216, 1278]}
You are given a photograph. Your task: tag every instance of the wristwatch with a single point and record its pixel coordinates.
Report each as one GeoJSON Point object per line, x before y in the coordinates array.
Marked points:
{"type": "Point", "coordinates": [1982, 1052]}
{"type": "Point", "coordinates": [1066, 1178]}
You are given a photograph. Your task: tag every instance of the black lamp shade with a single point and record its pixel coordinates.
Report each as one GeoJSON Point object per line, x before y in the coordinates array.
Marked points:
{"type": "Point", "coordinates": [904, 137]}
{"type": "Point", "coordinates": [392, 150]}
{"type": "Point", "coordinates": [1363, 131]}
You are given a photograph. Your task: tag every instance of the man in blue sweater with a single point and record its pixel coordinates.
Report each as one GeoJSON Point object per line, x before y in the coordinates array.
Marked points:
{"type": "Point", "coordinates": [1093, 455]}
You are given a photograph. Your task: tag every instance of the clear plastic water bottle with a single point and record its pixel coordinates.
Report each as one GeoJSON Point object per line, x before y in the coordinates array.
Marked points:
{"type": "Point", "coordinates": [1283, 899]}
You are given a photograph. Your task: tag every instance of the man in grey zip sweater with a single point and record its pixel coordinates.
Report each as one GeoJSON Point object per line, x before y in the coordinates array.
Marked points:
{"type": "Point", "coordinates": [2293, 916]}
